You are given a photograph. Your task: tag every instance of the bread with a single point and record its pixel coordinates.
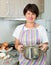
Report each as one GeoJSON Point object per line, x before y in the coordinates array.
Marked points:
{"type": "Point", "coordinates": [4, 45]}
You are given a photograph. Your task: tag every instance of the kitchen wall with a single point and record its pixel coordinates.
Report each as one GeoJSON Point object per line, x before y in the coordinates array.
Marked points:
{"type": "Point", "coordinates": [47, 10]}
{"type": "Point", "coordinates": [47, 15]}
{"type": "Point", "coordinates": [6, 29]}
{"type": "Point", "coordinates": [5, 32]}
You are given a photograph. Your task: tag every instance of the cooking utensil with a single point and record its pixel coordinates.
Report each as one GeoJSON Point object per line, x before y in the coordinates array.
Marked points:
{"type": "Point", "coordinates": [32, 52]}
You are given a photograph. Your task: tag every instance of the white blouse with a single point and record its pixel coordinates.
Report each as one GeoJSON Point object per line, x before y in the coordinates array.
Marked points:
{"type": "Point", "coordinates": [41, 29]}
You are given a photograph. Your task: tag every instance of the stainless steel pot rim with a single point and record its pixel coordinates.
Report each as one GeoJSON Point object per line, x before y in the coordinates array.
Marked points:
{"type": "Point", "coordinates": [32, 47]}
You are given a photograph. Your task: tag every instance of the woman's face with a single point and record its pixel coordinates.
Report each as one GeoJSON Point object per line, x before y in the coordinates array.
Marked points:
{"type": "Point", "coordinates": [30, 17]}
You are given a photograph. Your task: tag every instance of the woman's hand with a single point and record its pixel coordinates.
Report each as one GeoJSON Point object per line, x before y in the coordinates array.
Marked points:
{"type": "Point", "coordinates": [43, 47]}
{"type": "Point", "coordinates": [20, 48]}
{"type": "Point", "coordinates": [18, 45]}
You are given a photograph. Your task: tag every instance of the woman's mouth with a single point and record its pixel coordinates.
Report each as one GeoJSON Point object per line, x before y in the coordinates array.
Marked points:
{"type": "Point", "coordinates": [30, 18]}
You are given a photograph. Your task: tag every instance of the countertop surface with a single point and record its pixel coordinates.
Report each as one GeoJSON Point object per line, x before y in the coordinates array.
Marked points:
{"type": "Point", "coordinates": [13, 59]}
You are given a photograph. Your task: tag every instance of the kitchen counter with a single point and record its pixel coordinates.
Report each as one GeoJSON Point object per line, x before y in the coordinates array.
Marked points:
{"type": "Point", "coordinates": [12, 60]}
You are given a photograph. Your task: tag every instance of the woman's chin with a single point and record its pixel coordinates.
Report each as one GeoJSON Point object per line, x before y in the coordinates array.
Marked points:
{"type": "Point", "coordinates": [30, 22]}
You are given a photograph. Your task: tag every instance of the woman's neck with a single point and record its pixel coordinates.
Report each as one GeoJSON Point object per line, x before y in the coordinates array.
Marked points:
{"type": "Point", "coordinates": [30, 25]}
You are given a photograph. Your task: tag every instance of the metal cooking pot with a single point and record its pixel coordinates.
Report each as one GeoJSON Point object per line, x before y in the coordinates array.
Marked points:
{"type": "Point", "coordinates": [32, 52]}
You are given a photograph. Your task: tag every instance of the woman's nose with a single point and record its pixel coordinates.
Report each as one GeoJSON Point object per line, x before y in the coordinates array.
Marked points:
{"type": "Point", "coordinates": [30, 15]}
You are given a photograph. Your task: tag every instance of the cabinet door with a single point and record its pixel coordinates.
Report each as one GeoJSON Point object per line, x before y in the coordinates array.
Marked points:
{"type": "Point", "coordinates": [13, 8]}
{"type": "Point", "coordinates": [9, 8]}
{"type": "Point", "coordinates": [4, 9]}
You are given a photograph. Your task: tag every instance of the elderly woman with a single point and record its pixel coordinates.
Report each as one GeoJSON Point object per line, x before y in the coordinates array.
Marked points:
{"type": "Point", "coordinates": [29, 34]}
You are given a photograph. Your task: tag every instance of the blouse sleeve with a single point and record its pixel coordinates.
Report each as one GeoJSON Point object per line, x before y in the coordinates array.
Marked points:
{"type": "Point", "coordinates": [44, 35]}
{"type": "Point", "coordinates": [17, 31]}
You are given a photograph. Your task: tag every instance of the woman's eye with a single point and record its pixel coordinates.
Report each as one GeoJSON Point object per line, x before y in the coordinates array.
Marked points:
{"type": "Point", "coordinates": [33, 13]}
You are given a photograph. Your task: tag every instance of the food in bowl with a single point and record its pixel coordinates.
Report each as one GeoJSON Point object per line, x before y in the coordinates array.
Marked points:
{"type": "Point", "coordinates": [5, 48]}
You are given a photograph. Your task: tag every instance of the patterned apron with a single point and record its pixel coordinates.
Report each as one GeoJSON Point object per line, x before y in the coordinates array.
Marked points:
{"type": "Point", "coordinates": [30, 37]}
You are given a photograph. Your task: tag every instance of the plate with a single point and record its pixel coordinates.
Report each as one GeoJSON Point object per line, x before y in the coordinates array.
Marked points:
{"type": "Point", "coordinates": [2, 55]}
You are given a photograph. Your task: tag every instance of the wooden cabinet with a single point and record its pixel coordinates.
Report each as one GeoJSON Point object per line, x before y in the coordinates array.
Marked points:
{"type": "Point", "coordinates": [4, 9]}
{"type": "Point", "coordinates": [14, 8]}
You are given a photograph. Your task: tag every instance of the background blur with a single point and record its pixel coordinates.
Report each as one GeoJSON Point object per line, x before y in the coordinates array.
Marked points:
{"type": "Point", "coordinates": [11, 15]}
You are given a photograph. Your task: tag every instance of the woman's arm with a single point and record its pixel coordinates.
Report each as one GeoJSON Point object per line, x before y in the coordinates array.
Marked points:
{"type": "Point", "coordinates": [18, 45]}
{"type": "Point", "coordinates": [44, 39]}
